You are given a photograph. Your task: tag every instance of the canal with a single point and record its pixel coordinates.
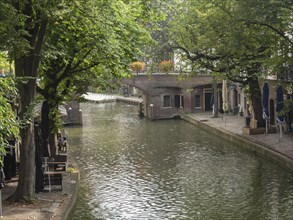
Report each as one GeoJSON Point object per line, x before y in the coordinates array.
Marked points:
{"type": "Point", "coordinates": [133, 168]}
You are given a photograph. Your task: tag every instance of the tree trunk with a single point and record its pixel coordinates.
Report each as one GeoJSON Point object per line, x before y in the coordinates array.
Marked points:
{"type": "Point", "coordinates": [53, 106]}
{"type": "Point", "coordinates": [35, 24]}
{"type": "Point", "coordinates": [26, 182]}
{"type": "Point", "coordinates": [49, 114]}
{"type": "Point", "coordinates": [45, 128]}
{"type": "Point", "coordinates": [255, 92]}
{"type": "Point", "coordinates": [53, 144]}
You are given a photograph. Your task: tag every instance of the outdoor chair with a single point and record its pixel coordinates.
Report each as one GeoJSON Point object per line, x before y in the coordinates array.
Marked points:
{"type": "Point", "coordinates": [53, 176]}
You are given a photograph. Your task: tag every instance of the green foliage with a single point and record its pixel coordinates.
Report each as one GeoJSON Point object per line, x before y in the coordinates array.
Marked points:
{"type": "Point", "coordinates": [238, 38]}
{"type": "Point", "coordinates": [159, 48]}
{"type": "Point", "coordinates": [29, 115]}
{"type": "Point", "coordinates": [9, 125]}
{"type": "Point", "coordinates": [90, 44]}
{"type": "Point", "coordinates": [6, 66]}
{"type": "Point", "coordinates": [10, 36]}
{"type": "Point", "coordinates": [241, 39]}
{"type": "Point", "coordinates": [288, 106]}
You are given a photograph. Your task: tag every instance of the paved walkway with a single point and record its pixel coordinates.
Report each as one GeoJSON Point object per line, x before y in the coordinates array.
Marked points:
{"type": "Point", "coordinates": [233, 124]}
{"type": "Point", "coordinates": [54, 205]}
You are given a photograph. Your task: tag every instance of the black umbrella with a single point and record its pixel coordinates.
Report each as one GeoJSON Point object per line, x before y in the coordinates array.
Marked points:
{"type": "Point", "coordinates": [280, 105]}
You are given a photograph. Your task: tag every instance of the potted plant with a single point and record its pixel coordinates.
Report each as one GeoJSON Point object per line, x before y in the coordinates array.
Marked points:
{"type": "Point", "coordinates": [137, 66]}
{"type": "Point", "coordinates": [166, 66]}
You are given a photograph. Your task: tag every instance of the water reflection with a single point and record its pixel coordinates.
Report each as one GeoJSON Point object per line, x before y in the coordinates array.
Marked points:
{"type": "Point", "coordinates": [132, 168]}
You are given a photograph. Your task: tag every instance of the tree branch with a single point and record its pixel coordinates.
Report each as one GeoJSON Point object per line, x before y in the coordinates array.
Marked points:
{"type": "Point", "coordinates": [238, 79]}
{"type": "Point", "coordinates": [281, 33]}
{"type": "Point", "coordinates": [197, 55]}
{"type": "Point", "coordinates": [85, 68]}
{"type": "Point", "coordinates": [43, 92]}
{"type": "Point", "coordinates": [82, 59]}
{"type": "Point", "coordinates": [41, 35]}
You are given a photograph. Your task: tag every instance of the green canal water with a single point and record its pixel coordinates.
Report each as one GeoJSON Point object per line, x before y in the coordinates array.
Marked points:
{"type": "Point", "coordinates": [133, 168]}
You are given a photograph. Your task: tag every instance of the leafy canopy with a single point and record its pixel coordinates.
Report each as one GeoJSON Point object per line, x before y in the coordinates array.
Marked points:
{"type": "Point", "coordinates": [235, 36]}
{"type": "Point", "coordinates": [89, 44]}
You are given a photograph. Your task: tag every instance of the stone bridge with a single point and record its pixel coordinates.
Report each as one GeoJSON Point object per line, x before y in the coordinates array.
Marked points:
{"type": "Point", "coordinates": [167, 96]}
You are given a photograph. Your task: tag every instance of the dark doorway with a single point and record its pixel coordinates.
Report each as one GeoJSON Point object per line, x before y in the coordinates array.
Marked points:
{"type": "Point", "coordinates": [235, 96]}
{"type": "Point", "coordinates": [221, 102]}
{"type": "Point", "coordinates": [207, 101]}
{"type": "Point", "coordinates": [177, 101]}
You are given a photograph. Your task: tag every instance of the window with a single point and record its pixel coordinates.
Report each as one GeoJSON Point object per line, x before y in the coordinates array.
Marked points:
{"type": "Point", "coordinates": [167, 101]}
{"type": "Point", "coordinates": [197, 101]}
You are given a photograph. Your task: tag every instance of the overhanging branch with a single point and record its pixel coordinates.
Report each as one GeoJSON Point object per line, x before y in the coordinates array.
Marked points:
{"type": "Point", "coordinates": [85, 68]}
{"type": "Point", "coordinates": [277, 31]}
{"type": "Point", "coordinates": [197, 55]}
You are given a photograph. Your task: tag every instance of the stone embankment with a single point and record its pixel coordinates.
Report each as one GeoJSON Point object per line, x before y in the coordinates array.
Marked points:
{"type": "Point", "coordinates": [230, 127]}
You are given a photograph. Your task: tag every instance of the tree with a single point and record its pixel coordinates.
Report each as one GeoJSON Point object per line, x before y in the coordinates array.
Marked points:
{"type": "Point", "coordinates": [24, 32]}
{"type": "Point", "coordinates": [159, 49]}
{"type": "Point", "coordinates": [24, 24]}
{"type": "Point", "coordinates": [275, 17]}
{"type": "Point", "coordinates": [94, 41]}
{"type": "Point", "coordinates": [219, 36]}
{"type": "Point", "coordinates": [23, 28]}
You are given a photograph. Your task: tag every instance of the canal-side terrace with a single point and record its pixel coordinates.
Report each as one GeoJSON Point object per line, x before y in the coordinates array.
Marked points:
{"type": "Point", "coordinates": [230, 127]}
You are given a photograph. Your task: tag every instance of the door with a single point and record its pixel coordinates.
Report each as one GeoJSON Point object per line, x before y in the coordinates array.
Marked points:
{"type": "Point", "coordinates": [207, 101]}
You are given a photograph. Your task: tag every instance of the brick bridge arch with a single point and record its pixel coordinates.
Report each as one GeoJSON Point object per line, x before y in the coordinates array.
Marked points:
{"type": "Point", "coordinates": [156, 87]}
